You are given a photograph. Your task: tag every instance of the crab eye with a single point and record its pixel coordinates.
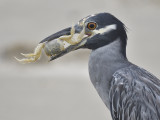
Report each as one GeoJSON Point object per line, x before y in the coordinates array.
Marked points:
{"type": "Point", "coordinates": [91, 25]}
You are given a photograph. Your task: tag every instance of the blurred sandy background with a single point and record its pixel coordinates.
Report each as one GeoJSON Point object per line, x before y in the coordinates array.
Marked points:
{"type": "Point", "coordinates": [61, 89]}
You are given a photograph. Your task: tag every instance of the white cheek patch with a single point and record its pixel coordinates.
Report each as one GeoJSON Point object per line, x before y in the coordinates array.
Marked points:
{"type": "Point", "coordinates": [106, 29]}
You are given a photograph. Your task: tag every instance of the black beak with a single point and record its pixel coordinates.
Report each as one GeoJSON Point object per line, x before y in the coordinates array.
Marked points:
{"type": "Point", "coordinates": [57, 35]}
{"type": "Point", "coordinates": [70, 48]}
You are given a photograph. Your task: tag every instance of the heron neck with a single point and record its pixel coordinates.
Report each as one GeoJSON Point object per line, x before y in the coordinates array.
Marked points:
{"type": "Point", "coordinates": [103, 63]}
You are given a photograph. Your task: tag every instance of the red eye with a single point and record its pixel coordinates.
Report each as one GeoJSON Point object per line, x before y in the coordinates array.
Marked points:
{"type": "Point", "coordinates": [91, 25]}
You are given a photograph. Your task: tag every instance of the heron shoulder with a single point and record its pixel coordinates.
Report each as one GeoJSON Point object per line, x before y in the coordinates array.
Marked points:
{"type": "Point", "coordinates": [134, 95]}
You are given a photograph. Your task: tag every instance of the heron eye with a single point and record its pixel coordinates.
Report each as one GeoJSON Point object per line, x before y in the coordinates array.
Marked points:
{"type": "Point", "coordinates": [91, 25]}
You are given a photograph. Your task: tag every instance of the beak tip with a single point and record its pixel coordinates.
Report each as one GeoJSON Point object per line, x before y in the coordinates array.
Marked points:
{"type": "Point", "coordinates": [50, 59]}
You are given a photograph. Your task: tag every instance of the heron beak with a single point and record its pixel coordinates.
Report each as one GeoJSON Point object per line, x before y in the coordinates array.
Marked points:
{"type": "Point", "coordinates": [57, 35]}
{"type": "Point", "coordinates": [79, 30]}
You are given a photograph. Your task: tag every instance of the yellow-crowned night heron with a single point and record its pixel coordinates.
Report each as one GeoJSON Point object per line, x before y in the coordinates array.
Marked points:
{"type": "Point", "coordinates": [130, 92]}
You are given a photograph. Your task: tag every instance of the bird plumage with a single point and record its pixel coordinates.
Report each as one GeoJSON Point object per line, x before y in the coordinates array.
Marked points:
{"type": "Point", "coordinates": [103, 63]}
{"type": "Point", "coordinates": [130, 92]}
{"type": "Point", "coordinates": [134, 95]}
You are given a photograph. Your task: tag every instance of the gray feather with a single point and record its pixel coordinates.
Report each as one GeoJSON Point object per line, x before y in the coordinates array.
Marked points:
{"type": "Point", "coordinates": [130, 92]}
{"type": "Point", "coordinates": [134, 95]}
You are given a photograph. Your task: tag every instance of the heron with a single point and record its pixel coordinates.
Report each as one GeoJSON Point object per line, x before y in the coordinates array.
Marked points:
{"type": "Point", "coordinates": [128, 91]}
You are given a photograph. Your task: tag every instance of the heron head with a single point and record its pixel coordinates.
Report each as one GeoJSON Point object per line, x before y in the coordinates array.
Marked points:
{"type": "Point", "coordinates": [99, 29]}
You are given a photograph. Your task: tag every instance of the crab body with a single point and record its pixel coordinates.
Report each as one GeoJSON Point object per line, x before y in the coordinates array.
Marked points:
{"type": "Point", "coordinates": [53, 47]}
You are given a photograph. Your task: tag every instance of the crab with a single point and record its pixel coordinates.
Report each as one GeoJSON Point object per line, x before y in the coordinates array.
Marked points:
{"type": "Point", "coordinates": [53, 47]}
{"type": "Point", "coordinates": [69, 38]}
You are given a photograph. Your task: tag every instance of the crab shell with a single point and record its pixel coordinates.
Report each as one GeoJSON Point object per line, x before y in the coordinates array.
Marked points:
{"type": "Point", "coordinates": [53, 47]}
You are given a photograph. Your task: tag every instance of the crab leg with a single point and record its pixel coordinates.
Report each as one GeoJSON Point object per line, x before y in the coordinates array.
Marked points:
{"type": "Point", "coordinates": [81, 35]}
{"type": "Point", "coordinates": [37, 51]}
{"type": "Point", "coordinates": [33, 56]}
{"type": "Point", "coordinates": [25, 60]}
{"type": "Point", "coordinates": [68, 38]}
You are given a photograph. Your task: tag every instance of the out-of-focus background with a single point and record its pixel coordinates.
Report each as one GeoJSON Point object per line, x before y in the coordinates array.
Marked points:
{"type": "Point", "coordinates": [61, 89]}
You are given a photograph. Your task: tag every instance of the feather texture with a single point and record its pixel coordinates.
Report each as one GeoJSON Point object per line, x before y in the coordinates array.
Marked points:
{"type": "Point", "coordinates": [134, 95]}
